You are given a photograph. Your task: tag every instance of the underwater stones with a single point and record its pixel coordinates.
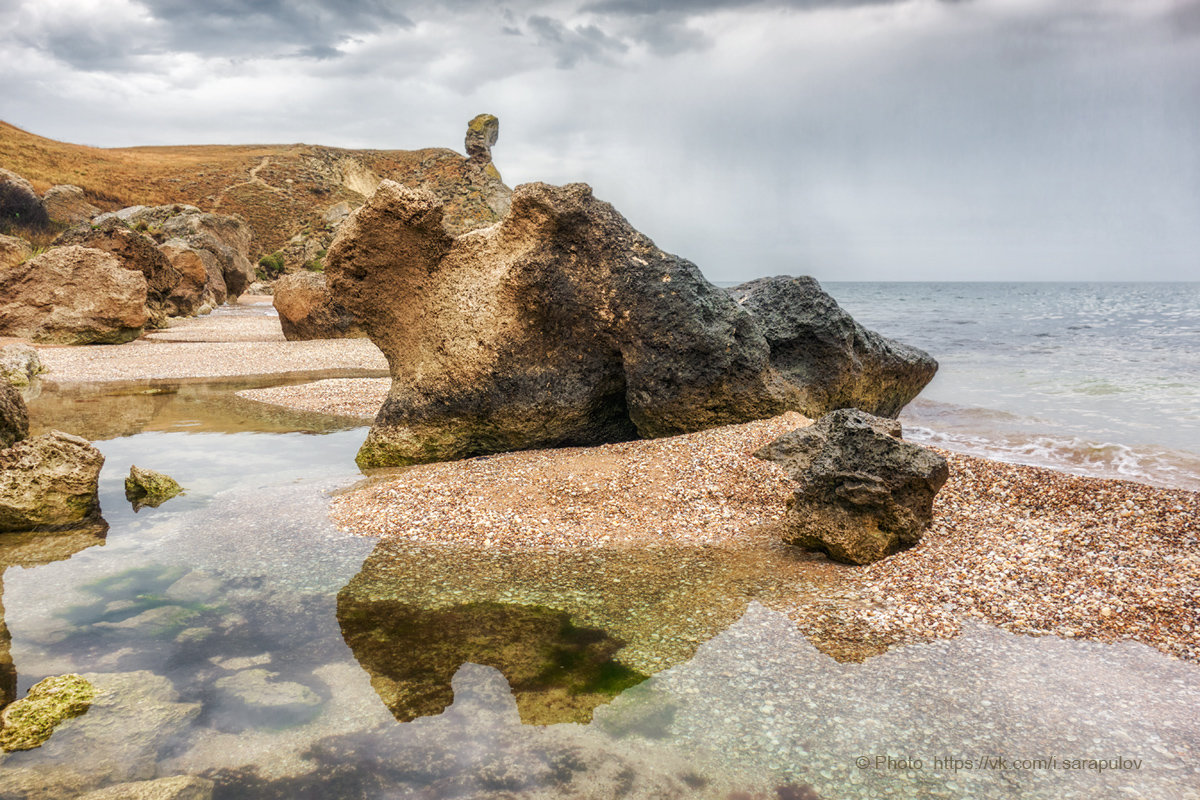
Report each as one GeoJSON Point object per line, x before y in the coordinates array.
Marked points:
{"type": "Point", "coordinates": [561, 325]}
{"type": "Point", "coordinates": [863, 492]}
{"type": "Point", "coordinates": [832, 360]}
{"type": "Point", "coordinates": [260, 693]}
{"type": "Point", "coordinates": [482, 133]}
{"type": "Point", "coordinates": [72, 295]}
{"type": "Point", "coordinates": [49, 481]}
{"type": "Point", "coordinates": [28, 722]}
{"type": "Point", "coordinates": [145, 487]}
{"type": "Point", "coordinates": [14, 417]}
{"type": "Point", "coordinates": [19, 364]}
{"type": "Point", "coordinates": [307, 309]}
{"type": "Point", "coordinates": [180, 787]}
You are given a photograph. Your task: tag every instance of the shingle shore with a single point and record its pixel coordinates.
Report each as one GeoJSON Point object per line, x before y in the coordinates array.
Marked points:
{"type": "Point", "coordinates": [1028, 549]}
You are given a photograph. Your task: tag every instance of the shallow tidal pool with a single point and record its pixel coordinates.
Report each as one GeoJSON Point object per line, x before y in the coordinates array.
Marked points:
{"type": "Point", "coordinates": [234, 634]}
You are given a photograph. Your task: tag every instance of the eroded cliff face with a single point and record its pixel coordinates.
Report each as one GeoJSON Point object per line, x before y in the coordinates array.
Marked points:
{"type": "Point", "coordinates": [560, 325]}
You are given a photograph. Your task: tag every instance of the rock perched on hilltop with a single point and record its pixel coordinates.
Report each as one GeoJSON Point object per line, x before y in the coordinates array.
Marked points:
{"type": "Point", "coordinates": [307, 309]}
{"type": "Point", "coordinates": [14, 417]}
{"type": "Point", "coordinates": [145, 487]}
{"type": "Point", "coordinates": [49, 481]}
{"type": "Point", "coordinates": [19, 364]}
{"type": "Point", "coordinates": [561, 325]}
{"type": "Point", "coordinates": [834, 361]}
{"type": "Point", "coordinates": [19, 204]}
{"type": "Point", "coordinates": [73, 295]}
{"type": "Point", "coordinates": [135, 252]}
{"type": "Point", "coordinates": [28, 722]}
{"type": "Point", "coordinates": [482, 133]}
{"type": "Point", "coordinates": [13, 251]}
{"type": "Point", "coordinates": [68, 204]}
{"type": "Point", "coordinates": [863, 492]}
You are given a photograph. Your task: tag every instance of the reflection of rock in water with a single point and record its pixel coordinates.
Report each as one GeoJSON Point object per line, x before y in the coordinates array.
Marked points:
{"type": "Point", "coordinates": [558, 671]}
{"type": "Point", "coordinates": [31, 549]}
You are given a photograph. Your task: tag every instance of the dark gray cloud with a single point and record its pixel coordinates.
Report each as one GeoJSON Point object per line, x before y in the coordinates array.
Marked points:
{"type": "Point", "coordinates": [574, 44]}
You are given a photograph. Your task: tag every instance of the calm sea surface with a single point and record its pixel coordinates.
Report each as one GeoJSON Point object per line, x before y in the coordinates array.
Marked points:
{"type": "Point", "coordinates": [1093, 378]}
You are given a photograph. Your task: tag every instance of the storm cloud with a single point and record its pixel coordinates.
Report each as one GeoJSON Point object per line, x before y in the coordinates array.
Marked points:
{"type": "Point", "coordinates": [849, 139]}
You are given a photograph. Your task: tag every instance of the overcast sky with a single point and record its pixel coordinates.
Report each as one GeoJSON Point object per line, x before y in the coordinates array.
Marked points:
{"type": "Point", "coordinates": [846, 139]}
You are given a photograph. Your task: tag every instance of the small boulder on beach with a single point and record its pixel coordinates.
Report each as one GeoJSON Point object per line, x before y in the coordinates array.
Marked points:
{"type": "Point", "coordinates": [863, 492]}
{"type": "Point", "coordinates": [48, 482]}
{"type": "Point", "coordinates": [14, 417]}
{"type": "Point", "coordinates": [145, 487]}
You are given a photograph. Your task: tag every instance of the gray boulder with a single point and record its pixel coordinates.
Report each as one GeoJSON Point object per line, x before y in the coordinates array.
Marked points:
{"type": "Point", "coordinates": [68, 204]}
{"type": "Point", "coordinates": [73, 295]}
{"type": "Point", "coordinates": [20, 205]}
{"type": "Point", "coordinates": [307, 309]}
{"type": "Point", "coordinates": [830, 358]}
{"type": "Point", "coordinates": [863, 492]}
{"type": "Point", "coordinates": [135, 252]}
{"type": "Point", "coordinates": [14, 417]}
{"type": "Point", "coordinates": [49, 481]}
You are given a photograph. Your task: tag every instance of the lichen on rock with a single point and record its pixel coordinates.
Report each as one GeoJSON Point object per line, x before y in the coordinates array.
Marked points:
{"type": "Point", "coordinates": [28, 722]}
{"type": "Point", "coordinates": [145, 487]}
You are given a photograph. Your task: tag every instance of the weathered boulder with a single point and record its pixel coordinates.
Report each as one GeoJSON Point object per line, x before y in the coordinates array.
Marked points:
{"type": "Point", "coordinates": [13, 250]}
{"type": "Point", "coordinates": [180, 787]}
{"type": "Point", "coordinates": [482, 133]}
{"type": "Point", "coordinates": [68, 204]}
{"type": "Point", "coordinates": [19, 364]}
{"type": "Point", "coordinates": [73, 295]}
{"type": "Point", "coordinates": [863, 492]}
{"type": "Point", "coordinates": [305, 251]}
{"type": "Point", "coordinates": [49, 481]}
{"type": "Point", "coordinates": [14, 417]}
{"type": "Point", "coordinates": [834, 361]}
{"type": "Point", "coordinates": [145, 487]}
{"type": "Point", "coordinates": [135, 252]}
{"type": "Point", "coordinates": [307, 309]}
{"type": "Point", "coordinates": [28, 722]}
{"type": "Point", "coordinates": [561, 325]}
{"type": "Point", "coordinates": [20, 205]}
{"type": "Point", "coordinates": [228, 238]}
{"type": "Point", "coordinates": [202, 281]}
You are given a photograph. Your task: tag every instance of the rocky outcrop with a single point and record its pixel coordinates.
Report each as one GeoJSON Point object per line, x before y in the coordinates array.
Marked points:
{"type": "Point", "coordinates": [68, 204]}
{"type": "Point", "coordinates": [13, 251]}
{"type": "Point", "coordinates": [830, 358]}
{"type": "Point", "coordinates": [145, 487]}
{"type": "Point", "coordinates": [307, 309]}
{"type": "Point", "coordinates": [482, 133]}
{"type": "Point", "coordinates": [863, 492]}
{"type": "Point", "coordinates": [28, 722]}
{"type": "Point", "coordinates": [228, 238]}
{"type": "Point", "coordinates": [19, 364]}
{"type": "Point", "coordinates": [561, 325]}
{"type": "Point", "coordinates": [20, 205]}
{"type": "Point", "coordinates": [202, 282]}
{"type": "Point", "coordinates": [135, 252]}
{"type": "Point", "coordinates": [14, 417]}
{"type": "Point", "coordinates": [49, 481]}
{"type": "Point", "coordinates": [73, 295]}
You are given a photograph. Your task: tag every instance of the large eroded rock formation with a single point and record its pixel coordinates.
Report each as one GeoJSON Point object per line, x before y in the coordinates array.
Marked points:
{"type": "Point", "coordinates": [560, 325]}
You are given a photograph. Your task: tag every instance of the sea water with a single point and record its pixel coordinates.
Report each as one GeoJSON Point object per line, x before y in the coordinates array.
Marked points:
{"type": "Point", "coordinates": [1097, 379]}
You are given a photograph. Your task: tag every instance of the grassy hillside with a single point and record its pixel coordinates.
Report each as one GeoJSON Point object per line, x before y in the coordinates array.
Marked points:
{"type": "Point", "coordinates": [281, 190]}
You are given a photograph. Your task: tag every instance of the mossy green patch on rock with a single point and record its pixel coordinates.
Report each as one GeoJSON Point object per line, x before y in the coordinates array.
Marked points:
{"type": "Point", "coordinates": [28, 723]}
{"type": "Point", "coordinates": [145, 487]}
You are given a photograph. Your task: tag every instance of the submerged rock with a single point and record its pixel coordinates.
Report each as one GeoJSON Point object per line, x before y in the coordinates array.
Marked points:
{"type": "Point", "coordinates": [73, 295]}
{"type": "Point", "coordinates": [863, 492]}
{"type": "Point", "coordinates": [559, 326]}
{"type": "Point", "coordinates": [180, 787]}
{"type": "Point", "coordinates": [28, 722]}
{"type": "Point", "coordinates": [49, 481]}
{"type": "Point", "coordinates": [307, 309]}
{"type": "Point", "coordinates": [135, 252]}
{"type": "Point", "coordinates": [19, 364]}
{"type": "Point", "coordinates": [14, 417]}
{"type": "Point", "coordinates": [145, 487]}
{"type": "Point", "coordinates": [832, 360]}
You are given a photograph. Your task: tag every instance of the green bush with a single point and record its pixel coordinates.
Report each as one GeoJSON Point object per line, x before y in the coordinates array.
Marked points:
{"type": "Point", "coordinates": [270, 266]}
